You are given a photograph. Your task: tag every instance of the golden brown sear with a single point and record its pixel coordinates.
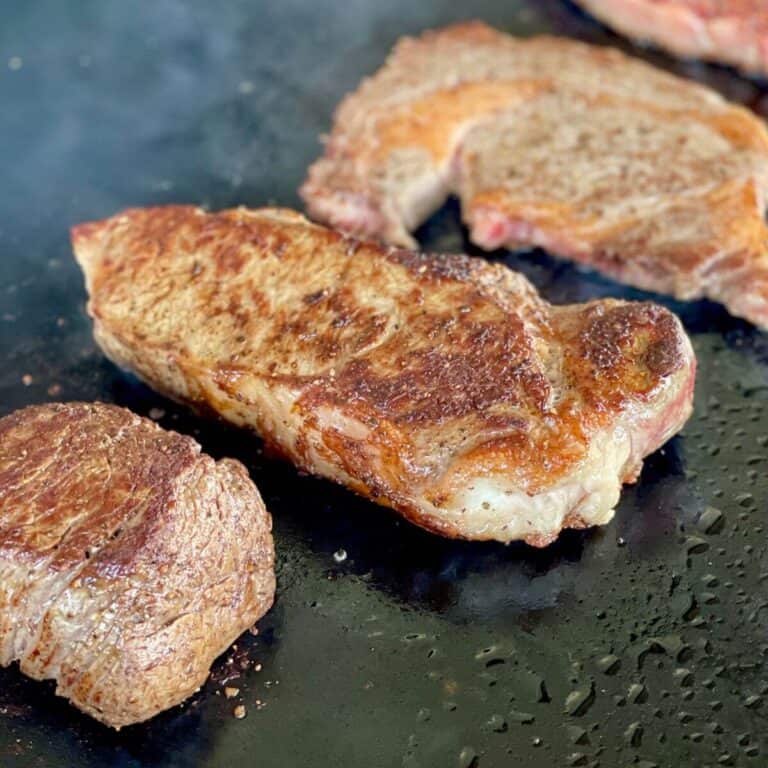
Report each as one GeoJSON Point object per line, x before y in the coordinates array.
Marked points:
{"type": "Point", "coordinates": [129, 560]}
{"type": "Point", "coordinates": [654, 180]}
{"type": "Point", "coordinates": [442, 386]}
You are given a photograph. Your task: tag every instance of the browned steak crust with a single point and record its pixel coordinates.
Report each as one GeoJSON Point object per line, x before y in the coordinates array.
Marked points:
{"type": "Point", "coordinates": [442, 386]}
{"type": "Point", "coordinates": [129, 560]}
{"type": "Point", "coordinates": [597, 157]}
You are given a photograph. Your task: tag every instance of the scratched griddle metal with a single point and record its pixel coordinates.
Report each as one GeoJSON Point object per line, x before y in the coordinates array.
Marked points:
{"type": "Point", "coordinates": [642, 643]}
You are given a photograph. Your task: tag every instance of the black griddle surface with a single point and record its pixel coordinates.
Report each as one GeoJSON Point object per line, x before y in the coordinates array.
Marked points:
{"type": "Point", "coordinates": [412, 651]}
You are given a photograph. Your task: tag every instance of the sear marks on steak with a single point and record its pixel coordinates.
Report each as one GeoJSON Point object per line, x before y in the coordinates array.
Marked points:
{"type": "Point", "coordinates": [129, 560]}
{"type": "Point", "coordinates": [597, 157]}
{"type": "Point", "coordinates": [442, 386]}
{"type": "Point", "coordinates": [732, 32]}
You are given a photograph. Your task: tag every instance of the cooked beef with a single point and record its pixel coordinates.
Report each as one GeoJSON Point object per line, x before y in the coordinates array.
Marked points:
{"type": "Point", "coordinates": [653, 180]}
{"type": "Point", "coordinates": [729, 31]}
{"type": "Point", "coordinates": [442, 386]}
{"type": "Point", "coordinates": [129, 560]}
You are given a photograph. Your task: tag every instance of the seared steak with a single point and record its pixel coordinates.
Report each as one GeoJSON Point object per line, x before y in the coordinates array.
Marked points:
{"type": "Point", "coordinates": [442, 386]}
{"type": "Point", "coordinates": [729, 31]}
{"type": "Point", "coordinates": [600, 158]}
{"type": "Point", "coordinates": [128, 559]}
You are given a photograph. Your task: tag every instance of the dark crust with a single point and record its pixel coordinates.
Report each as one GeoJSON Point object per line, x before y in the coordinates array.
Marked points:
{"type": "Point", "coordinates": [434, 266]}
{"type": "Point", "coordinates": [474, 368]}
{"type": "Point", "coordinates": [99, 458]}
{"type": "Point", "coordinates": [609, 330]}
{"type": "Point", "coordinates": [444, 368]}
{"type": "Point", "coordinates": [131, 560]}
{"type": "Point", "coordinates": [704, 236]}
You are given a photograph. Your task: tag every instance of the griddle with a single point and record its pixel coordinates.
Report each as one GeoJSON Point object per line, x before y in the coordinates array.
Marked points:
{"type": "Point", "coordinates": [641, 643]}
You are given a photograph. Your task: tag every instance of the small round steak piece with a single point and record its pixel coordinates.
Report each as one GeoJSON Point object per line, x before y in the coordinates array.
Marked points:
{"type": "Point", "coordinates": [129, 559]}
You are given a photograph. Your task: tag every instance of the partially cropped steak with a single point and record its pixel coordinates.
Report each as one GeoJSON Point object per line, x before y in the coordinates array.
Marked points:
{"type": "Point", "coordinates": [442, 386]}
{"type": "Point", "coordinates": [653, 180]}
{"type": "Point", "coordinates": [129, 560]}
{"type": "Point", "coordinates": [729, 31]}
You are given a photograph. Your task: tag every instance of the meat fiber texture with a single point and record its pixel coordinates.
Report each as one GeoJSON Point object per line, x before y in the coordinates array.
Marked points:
{"type": "Point", "coordinates": [444, 387]}
{"type": "Point", "coordinates": [732, 32]}
{"type": "Point", "coordinates": [653, 180]}
{"type": "Point", "coordinates": [129, 560]}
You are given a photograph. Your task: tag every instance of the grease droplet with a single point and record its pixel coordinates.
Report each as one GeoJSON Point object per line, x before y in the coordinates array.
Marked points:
{"type": "Point", "coordinates": [634, 734]}
{"type": "Point", "coordinates": [609, 664]}
{"type": "Point", "coordinates": [636, 694]}
{"type": "Point", "coordinates": [711, 520]}
{"type": "Point", "coordinates": [468, 758]}
{"type": "Point", "coordinates": [578, 701]}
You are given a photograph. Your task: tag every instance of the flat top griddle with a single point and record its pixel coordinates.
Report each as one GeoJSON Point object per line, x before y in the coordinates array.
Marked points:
{"type": "Point", "coordinates": [641, 643]}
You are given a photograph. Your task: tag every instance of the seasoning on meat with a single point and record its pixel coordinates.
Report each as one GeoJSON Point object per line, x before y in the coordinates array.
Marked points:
{"type": "Point", "coordinates": [129, 560]}
{"type": "Point", "coordinates": [442, 386]}
{"type": "Point", "coordinates": [597, 157]}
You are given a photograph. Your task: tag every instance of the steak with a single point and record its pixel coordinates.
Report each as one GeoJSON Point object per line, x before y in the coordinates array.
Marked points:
{"type": "Point", "coordinates": [729, 31]}
{"type": "Point", "coordinates": [129, 560]}
{"type": "Point", "coordinates": [597, 157]}
{"type": "Point", "coordinates": [442, 386]}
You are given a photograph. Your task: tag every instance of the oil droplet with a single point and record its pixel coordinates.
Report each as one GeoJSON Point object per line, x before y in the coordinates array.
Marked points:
{"type": "Point", "coordinates": [609, 664]}
{"type": "Point", "coordinates": [578, 701]}
{"type": "Point", "coordinates": [695, 545]}
{"type": "Point", "coordinates": [637, 693]}
{"type": "Point", "coordinates": [468, 758]}
{"type": "Point", "coordinates": [683, 676]}
{"type": "Point", "coordinates": [711, 521]}
{"type": "Point", "coordinates": [754, 701]}
{"type": "Point", "coordinates": [669, 644]}
{"type": "Point", "coordinates": [577, 735]}
{"type": "Point", "coordinates": [634, 734]}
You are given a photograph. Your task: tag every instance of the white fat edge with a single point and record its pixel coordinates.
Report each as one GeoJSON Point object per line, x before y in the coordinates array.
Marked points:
{"type": "Point", "coordinates": [492, 508]}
